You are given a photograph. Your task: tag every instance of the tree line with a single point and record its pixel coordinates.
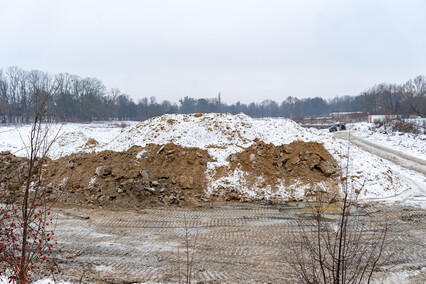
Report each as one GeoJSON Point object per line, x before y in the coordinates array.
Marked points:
{"type": "Point", "coordinates": [77, 99]}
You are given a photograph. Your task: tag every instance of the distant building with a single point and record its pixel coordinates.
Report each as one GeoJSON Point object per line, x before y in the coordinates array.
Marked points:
{"type": "Point", "coordinates": [412, 118]}
{"type": "Point", "coordinates": [381, 118]}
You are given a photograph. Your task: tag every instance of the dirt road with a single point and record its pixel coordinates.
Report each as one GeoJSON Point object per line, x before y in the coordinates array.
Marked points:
{"type": "Point", "coordinates": [399, 158]}
{"type": "Point", "coordinates": [234, 243]}
{"type": "Point", "coordinates": [417, 193]}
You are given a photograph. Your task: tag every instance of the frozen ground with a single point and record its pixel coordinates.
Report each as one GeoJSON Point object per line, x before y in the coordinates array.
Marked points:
{"type": "Point", "coordinates": [4, 280]}
{"type": "Point", "coordinates": [233, 243]}
{"type": "Point", "coordinates": [224, 134]}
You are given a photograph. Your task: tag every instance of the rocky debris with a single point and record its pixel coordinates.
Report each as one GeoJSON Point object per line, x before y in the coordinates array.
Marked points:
{"type": "Point", "coordinates": [13, 172]}
{"type": "Point", "coordinates": [145, 175]}
{"type": "Point", "coordinates": [102, 171]}
{"type": "Point", "coordinates": [162, 174]}
{"type": "Point", "coordinates": [233, 158]}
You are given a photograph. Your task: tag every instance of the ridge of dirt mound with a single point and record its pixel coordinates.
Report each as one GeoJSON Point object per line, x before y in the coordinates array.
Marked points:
{"type": "Point", "coordinates": [219, 133]}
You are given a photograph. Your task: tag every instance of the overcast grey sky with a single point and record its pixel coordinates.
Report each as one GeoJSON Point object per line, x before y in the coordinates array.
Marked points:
{"type": "Point", "coordinates": [248, 50]}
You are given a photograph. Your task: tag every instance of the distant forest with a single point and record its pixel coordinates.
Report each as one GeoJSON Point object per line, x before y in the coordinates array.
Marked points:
{"type": "Point", "coordinates": [77, 99]}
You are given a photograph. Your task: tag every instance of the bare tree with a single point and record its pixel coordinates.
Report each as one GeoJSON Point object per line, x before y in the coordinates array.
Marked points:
{"type": "Point", "coordinates": [414, 93]}
{"type": "Point", "coordinates": [346, 250]}
{"type": "Point", "coordinates": [26, 235]}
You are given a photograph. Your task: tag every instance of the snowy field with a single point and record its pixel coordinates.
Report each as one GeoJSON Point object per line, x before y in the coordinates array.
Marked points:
{"type": "Point", "coordinates": [5, 280]}
{"type": "Point", "coordinates": [224, 134]}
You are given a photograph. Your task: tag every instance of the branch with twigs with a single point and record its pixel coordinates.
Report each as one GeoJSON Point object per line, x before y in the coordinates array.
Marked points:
{"type": "Point", "coordinates": [344, 250]}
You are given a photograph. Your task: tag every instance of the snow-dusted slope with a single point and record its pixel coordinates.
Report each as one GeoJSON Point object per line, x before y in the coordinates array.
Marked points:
{"type": "Point", "coordinates": [221, 134]}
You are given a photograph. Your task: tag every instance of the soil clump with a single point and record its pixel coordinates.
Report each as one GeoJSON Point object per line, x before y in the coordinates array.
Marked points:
{"type": "Point", "coordinates": [306, 161]}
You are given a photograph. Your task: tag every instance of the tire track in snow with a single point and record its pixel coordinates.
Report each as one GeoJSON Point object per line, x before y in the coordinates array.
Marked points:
{"type": "Point", "coordinates": [250, 253]}
{"type": "Point", "coordinates": [399, 158]}
{"type": "Point", "coordinates": [417, 193]}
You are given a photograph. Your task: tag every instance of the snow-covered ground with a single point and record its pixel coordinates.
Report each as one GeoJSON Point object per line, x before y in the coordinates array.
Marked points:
{"type": "Point", "coordinates": [408, 143]}
{"type": "Point", "coordinates": [224, 134]}
{"type": "Point", "coordinates": [5, 280]}
{"type": "Point", "coordinates": [72, 137]}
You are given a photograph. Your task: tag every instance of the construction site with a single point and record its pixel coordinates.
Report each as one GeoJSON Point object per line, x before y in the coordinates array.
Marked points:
{"type": "Point", "coordinates": [231, 189]}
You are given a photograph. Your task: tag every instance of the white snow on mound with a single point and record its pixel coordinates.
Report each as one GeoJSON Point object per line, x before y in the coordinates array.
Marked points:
{"type": "Point", "coordinates": [221, 135]}
{"type": "Point", "coordinates": [224, 134]}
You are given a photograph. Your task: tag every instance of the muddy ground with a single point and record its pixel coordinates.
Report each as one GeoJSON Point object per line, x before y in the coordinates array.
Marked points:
{"type": "Point", "coordinates": [233, 243]}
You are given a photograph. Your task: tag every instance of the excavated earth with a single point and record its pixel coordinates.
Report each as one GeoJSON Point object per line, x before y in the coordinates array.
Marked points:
{"type": "Point", "coordinates": [165, 174]}
{"type": "Point", "coordinates": [136, 178]}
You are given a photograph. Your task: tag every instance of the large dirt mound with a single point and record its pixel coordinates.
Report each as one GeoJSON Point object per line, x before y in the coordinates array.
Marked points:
{"type": "Point", "coordinates": [276, 170]}
{"type": "Point", "coordinates": [172, 174]}
{"type": "Point", "coordinates": [222, 135]}
{"type": "Point", "coordinates": [138, 177]}
{"type": "Point", "coordinates": [155, 174]}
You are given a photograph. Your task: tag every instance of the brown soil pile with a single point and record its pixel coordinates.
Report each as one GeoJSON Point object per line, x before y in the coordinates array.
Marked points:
{"type": "Point", "coordinates": [91, 143]}
{"type": "Point", "coordinates": [165, 174]}
{"type": "Point", "coordinates": [307, 163]}
{"type": "Point", "coordinates": [138, 177]}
